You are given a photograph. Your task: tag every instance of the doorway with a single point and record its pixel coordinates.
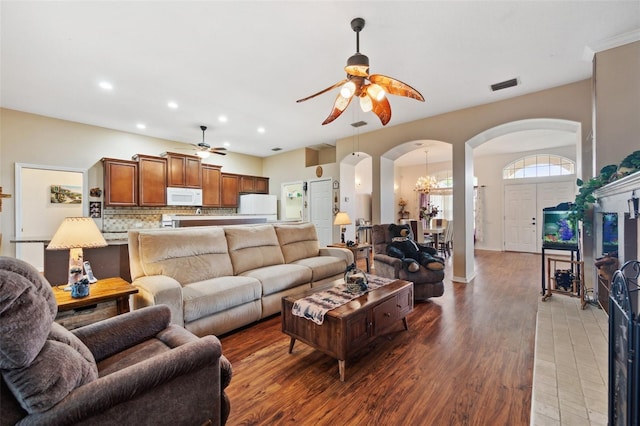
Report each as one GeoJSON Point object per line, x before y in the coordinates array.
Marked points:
{"type": "Point", "coordinates": [320, 209]}
{"type": "Point", "coordinates": [523, 206]}
{"type": "Point", "coordinates": [38, 211]}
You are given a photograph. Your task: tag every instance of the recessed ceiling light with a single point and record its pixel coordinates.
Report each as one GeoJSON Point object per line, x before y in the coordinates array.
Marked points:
{"type": "Point", "coordinates": [261, 129]}
{"type": "Point", "coordinates": [226, 144]}
{"type": "Point", "coordinates": [172, 105]}
{"type": "Point", "coordinates": [106, 85]}
{"type": "Point", "coordinates": [141, 126]}
{"type": "Point", "coordinates": [223, 119]}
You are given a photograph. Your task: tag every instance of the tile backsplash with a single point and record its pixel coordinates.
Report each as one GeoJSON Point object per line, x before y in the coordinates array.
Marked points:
{"type": "Point", "coordinates": [121, 219]}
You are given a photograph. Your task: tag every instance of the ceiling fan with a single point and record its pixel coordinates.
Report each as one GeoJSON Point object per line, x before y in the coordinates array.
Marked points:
{"type": "Point", "coordinates": [203, 149]}
{"type": "Point", "coordinates": [370, 88]}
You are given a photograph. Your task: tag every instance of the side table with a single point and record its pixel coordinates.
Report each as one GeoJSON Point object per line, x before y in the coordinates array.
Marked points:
{"type": "Point", "coordinates": [107, 298]}
{"type": "Point", "coordinates": [359, 248]}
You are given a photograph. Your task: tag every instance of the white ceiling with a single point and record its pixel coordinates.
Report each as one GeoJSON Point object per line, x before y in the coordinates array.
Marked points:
{"type": "Point", "coordinates": [251, 60]}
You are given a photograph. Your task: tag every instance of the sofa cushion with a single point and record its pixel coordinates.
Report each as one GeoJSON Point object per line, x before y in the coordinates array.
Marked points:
{"type": "Point", "coordinates": [280, 277]}
{"type": "Point", "coordinates": [298, 241]}
{"type": "Point", "coordinates": [323, 266]}
{"type": "Point", "coordinates": [187, 255]}
{"type": "Point", "coordinates": [253, 247]}
{"type": "Point", "coordinates": [219, 294]}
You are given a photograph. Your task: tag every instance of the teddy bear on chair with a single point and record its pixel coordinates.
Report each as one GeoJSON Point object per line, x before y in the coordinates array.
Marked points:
{"type": "Point", "coordinates": [413, 255]}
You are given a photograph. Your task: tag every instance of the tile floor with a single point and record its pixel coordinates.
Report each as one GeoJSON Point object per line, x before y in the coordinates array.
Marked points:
{"type": "Point", "coordinates": [570, 368]}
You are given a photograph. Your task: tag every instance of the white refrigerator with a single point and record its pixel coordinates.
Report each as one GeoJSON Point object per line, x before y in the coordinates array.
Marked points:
{"type": "Point", "coordinates": [259, 205]}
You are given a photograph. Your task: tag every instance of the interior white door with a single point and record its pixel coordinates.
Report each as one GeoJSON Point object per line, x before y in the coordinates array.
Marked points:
{"type": "Point", "coordinates": [320, 210]}
{"type": "Point", "coordinates": [520, 218]}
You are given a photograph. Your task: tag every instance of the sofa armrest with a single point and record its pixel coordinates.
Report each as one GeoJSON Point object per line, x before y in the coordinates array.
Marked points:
{"type": "Point", "coordinates": [160, 290]}
{"type": "Point", "coordinates": [387, 266]}
{"type": "Point", "coordinates": [113, 335]}
{"type": "Point", "coordinates": [339, 252]}
{"type": "Point", "coordinates": [137, 393]}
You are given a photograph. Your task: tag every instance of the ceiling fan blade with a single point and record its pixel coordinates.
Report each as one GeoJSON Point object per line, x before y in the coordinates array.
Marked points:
{"type": "Point", "coordinates": [217, 152]}
{"type": "Point", "coordinates": [339, 106]}
{"type": "Point", "coordinates": [395, 87]}
{"type": "Point", "coordinates": [382, 109]}
{"type": "Point", "coordinates": [340, 83]}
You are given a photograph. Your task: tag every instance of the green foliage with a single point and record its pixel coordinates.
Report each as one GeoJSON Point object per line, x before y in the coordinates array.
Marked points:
{"type": "Point", "coordinates": [608, 174]}
{"type": "Point", "coordinates": [631, 162]}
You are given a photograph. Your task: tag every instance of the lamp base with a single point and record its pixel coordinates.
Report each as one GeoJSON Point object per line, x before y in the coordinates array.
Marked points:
{"type": "Point", "coordinates": [342, 231]}
{"type": "Point", "coordinates": [75, 266]}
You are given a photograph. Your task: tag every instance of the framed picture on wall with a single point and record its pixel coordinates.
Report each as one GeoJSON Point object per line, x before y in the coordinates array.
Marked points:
{"type": "Point", "coordinates": [66, 194]}
{"type": "Point", "coordinates": [95, 209]}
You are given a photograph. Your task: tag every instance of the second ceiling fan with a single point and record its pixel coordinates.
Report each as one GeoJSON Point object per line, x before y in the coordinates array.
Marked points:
{"type": "Point", "coordinates": [203, 147]}
{"type": "Point", "coordinates": [370, 88]}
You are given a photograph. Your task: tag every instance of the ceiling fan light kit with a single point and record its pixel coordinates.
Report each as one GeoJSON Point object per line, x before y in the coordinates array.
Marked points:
{"type": "Point", "coordinates": [371, 89]}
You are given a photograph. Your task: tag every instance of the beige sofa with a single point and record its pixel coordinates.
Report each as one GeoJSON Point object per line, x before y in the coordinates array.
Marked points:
{"type": "Point", "coordinates": [219, 278]}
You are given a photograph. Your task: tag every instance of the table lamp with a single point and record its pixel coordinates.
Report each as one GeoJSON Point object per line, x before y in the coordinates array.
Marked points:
{"type": "Point", "coordinates": [342, 219]}
{"type": "Point", "coordinates": [74, 234]}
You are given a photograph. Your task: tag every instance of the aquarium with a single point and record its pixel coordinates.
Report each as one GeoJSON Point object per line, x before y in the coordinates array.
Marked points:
{"type": "Point", "coordinates": [609, 233]}
{"type": "Point", "coordinates": [559, 230]}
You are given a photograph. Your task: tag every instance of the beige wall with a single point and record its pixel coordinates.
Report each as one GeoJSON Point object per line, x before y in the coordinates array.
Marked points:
{"type": "Point", "coordinates": [617, 87]}
{"type": "Point", "coordinates": [34, 139]}
{"type": "Point", "coordinates": [571, 102]}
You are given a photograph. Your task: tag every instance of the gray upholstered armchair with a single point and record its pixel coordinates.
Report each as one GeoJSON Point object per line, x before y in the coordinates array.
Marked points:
{"type": "Point", "coordinates": [426, 283]}
{"type": "Point", "coordinates": [135, 368]}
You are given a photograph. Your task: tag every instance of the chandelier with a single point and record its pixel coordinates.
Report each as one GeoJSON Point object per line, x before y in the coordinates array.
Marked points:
{"type": "Point", "coordinates": [426, 183]}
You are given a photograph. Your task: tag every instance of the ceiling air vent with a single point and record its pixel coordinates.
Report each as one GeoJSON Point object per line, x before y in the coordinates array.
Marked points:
{"type": "Point", "coordinates": [276, 149]}
{"type": "Point", "coordinates": [504, 84]}
{"type": "Point", "coordinates": [359, 124]}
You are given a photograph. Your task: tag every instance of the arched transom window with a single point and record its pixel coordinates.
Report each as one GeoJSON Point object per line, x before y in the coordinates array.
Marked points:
{"type": "Point", "coordinates": [540, 165]}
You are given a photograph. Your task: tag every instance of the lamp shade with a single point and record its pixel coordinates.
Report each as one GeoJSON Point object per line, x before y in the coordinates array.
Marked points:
{"type": "Point", "coordinates": [77, 232]}
{"type": "Point", "coordinates": [342, 218]}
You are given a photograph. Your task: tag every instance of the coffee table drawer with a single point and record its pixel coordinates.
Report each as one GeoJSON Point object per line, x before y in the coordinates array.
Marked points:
{"type": "Point", "coordinates": [385, 315]}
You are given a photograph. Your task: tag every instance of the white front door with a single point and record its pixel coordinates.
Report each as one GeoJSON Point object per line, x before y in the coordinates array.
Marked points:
{"type": "Point", "coordinates": [320, 210]}
{"type": "Point", "coordinates": [523, 206]}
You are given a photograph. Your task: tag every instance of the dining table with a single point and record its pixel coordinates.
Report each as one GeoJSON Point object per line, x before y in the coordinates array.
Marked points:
{"type": "Point", "coordinates": [435, 232]}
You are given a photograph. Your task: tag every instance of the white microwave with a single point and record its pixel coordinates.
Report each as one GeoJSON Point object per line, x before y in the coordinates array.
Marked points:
{"type": "Point", "coordinates": [184, 196]}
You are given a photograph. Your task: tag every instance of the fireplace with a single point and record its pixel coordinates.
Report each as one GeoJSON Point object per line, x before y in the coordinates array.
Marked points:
{"type": "Point", "coordinates": [624, 346]}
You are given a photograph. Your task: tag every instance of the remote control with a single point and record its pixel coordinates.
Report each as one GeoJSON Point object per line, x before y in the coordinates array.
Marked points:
{"type": "Point", "coordinates": [89, 271]}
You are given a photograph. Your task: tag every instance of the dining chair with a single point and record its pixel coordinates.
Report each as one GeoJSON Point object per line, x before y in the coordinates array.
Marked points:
{"type": "Point", "coordinates": [445, 245]}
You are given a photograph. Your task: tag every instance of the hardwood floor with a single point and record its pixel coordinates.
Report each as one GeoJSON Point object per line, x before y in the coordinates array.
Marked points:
{"type": "Point", "coordinates": [467, 359]}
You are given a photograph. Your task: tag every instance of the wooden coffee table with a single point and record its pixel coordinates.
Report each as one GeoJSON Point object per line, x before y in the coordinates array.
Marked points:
{"type": "Point", "coordinates": [349, 327]}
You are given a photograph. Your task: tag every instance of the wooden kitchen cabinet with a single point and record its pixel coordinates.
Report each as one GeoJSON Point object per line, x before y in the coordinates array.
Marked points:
{"type": "Point", "coordinates": [229, 190]}
{"type": "Point", "coordinates": [152, 180]}
{"type": "Point", "coordinates": [211, 185]}
{"type": "Point", "coordinates": [184, 171]}
{"type": "Point", "coordinates": [120, 182]}
{"type": "Point", "coordinates": [254, 185]}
